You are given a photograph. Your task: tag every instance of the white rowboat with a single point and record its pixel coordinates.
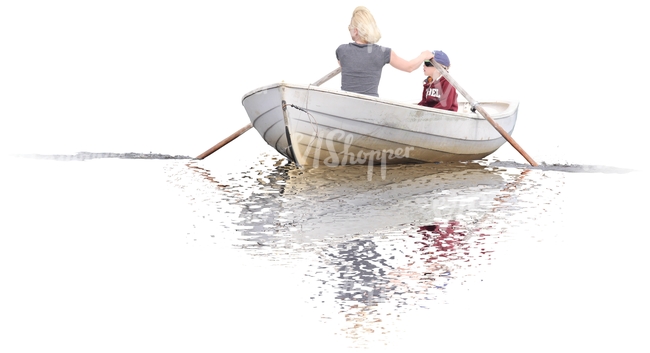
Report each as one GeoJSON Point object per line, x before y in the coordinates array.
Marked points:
{"type": "Point", "coordinates": [314, 126]}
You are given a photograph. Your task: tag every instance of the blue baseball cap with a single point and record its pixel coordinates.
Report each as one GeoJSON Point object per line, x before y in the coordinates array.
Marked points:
{"type": "Point", "coordinates": [441, 58]}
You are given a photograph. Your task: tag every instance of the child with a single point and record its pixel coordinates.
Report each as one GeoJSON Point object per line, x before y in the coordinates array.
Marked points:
{"type": "Point", "coordinates": [438, 92]}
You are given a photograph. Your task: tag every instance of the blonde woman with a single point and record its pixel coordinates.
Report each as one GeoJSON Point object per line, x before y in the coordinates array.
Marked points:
{"type": "Point", "coordinates": [362, 60]}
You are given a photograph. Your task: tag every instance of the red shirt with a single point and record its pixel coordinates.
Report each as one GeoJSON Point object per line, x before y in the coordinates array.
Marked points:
{"type": "Point", "coordinates": [439, 94]}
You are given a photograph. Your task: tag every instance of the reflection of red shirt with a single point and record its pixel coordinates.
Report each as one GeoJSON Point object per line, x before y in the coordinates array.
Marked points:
{"type": "Point", "coordinates": [444, 240]}
{"type": "Point", "coordinates": [439, 94]}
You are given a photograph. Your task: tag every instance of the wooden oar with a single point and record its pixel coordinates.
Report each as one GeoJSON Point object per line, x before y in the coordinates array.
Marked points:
{"type": "Point", "coordinates": [487, 117]}
{"type": "Point", "coordinates": [247, 127]}
{"type": "Point", "coordinates": [235, 135]}
{"type": "Point", "coordinates": [327, 77]}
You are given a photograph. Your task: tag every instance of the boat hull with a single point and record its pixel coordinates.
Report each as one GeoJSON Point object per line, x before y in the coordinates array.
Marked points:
{"type": "Point", "coordinates": [313, 126]}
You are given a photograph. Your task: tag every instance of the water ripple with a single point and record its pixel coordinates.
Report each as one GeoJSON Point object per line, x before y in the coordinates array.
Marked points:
{"type": "Point", "coordinates": [373, 249]}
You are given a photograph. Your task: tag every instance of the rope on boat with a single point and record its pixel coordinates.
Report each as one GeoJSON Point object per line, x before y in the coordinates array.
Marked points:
{"type": "Point", "coordinates": [309, 116]}
{"type": "Point", "coordinates": [284, 106]}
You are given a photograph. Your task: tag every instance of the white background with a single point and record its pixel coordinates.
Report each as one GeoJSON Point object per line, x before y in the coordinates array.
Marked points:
{"type": "Point", "coordinates": [92, 260]}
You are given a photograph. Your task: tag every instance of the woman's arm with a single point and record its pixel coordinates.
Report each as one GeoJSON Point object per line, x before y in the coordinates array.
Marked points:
{"type": "Point", "coordinates": [409, 66]}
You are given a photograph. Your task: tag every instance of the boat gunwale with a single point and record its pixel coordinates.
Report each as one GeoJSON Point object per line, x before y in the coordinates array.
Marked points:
{"type": "Point", "coordinates": [511, 108]}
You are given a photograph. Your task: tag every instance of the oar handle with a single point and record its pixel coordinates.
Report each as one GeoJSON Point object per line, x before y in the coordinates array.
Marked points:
{"type": "Point", "coordinates": [485, 114]}
{"type": "Point", "coordinates": [327, 77]}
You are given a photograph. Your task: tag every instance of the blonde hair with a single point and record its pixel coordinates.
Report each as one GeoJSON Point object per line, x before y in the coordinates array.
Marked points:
{"type": "Point", "coordinates": [364, 22]}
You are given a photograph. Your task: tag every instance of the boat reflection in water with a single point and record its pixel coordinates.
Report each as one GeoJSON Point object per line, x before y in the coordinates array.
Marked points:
{"type": "Point", "coordinates": [319, 203]}
{"type": "Point", "coordinates": [381, 246]}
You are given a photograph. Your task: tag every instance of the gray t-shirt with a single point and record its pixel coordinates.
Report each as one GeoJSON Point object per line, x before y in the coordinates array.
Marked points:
{"type": "Point", "coordinates": [361, 66]}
